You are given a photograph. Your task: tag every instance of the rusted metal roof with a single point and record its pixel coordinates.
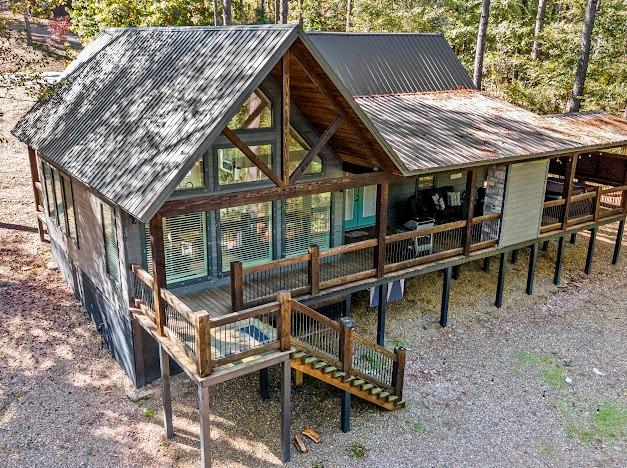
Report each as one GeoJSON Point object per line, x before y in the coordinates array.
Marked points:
{"type": "Point", "coordinates": [431, 131]}
{"type": "Point", "coordinates": [141, 105]}
{"type": "Point", "coordinates": [392, 63]}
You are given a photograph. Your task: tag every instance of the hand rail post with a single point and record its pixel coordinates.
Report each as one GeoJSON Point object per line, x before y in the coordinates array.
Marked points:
{"type": "Point", "coordinates": [314, 269]}
{"type": "Point", "coordinates": [597, 203]}
{"type": "Point", "coordinates": [203, 343]}
{"type": "Point", "coordinates": [285, 320]}
{"type": "Point", "coordinates": [471, 191]}
{"type": "Point", "coordinates": [346, 344]}
{"type": "Point", "coordinates": [237, 286]}
{"type": "Point", "coordinates": [398, 371]}
{"type": "Point", "coordinates": [158, 271]}
{"type": "Point", "coordinates": [381, 227]}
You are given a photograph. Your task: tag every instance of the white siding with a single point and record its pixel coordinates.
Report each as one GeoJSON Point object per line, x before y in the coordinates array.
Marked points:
{"type": "Point", "coordinates": [524, 197]}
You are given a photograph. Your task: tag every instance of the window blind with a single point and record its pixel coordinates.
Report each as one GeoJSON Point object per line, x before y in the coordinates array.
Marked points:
{"type": "Point", "coordinates": [69, 207]}
{"type": "Point", "coordinates": [110, 242]}
{"type": "Point", "coordinates": [52, 211]}
{"type": "Point", "coordinates": [58, 196]}
{"type": "Point", "coordinates": [307, 221]}
{"type": "Point", "coordinates": [246, 234]}
{"type": "Point", "coordinates": [184, 245]}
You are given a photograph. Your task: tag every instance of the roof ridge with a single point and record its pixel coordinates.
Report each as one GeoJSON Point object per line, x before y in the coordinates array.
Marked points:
{"type": "Point", "coordinates": [203, 28]}
{"type": "Point", "coordinates": [375, 33]}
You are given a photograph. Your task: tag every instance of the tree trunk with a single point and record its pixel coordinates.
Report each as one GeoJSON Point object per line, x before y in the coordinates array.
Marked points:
{"type": "Point", "coordinates": [29, 35]}
{"type": "Point", "coordinates": [300, 13]}
{"type": "Point", "coordinates": [215, 12]}
{"type": "Point", "coordinates": [284, 11]}
{"type": "Point", "coordinates": [277, 9]}
{"type": "Point", "coordinates": [483, 27]}
{"type": "Point", "coordinates": [584, 56]}
{"type": "Point", "coordinates": [227, 17]}
{"type": "Point", "coordinates": [535, 50]}
{"type": "Point", "coordinates": [349, 10]}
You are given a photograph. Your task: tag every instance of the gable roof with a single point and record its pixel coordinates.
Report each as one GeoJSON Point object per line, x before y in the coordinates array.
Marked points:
{"type": "Point", "coordinates": [392, 63]}
{"type": "Point", "coordinates": [140, 105]}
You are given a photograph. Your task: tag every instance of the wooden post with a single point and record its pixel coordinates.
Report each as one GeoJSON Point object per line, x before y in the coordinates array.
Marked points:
{"type": "Point", "coordinates": [486, 265]}
{"type": "Point", "coordinates": [619, 242]}
{"type": "Point", "coordinates": [500, 285]}
{"type": "Point", "coordinates": [568, 187]}
{"type": "Point", "coordinates": [346, 344]}
{"type": "Point", "coordinates": [573, 238]}
{"type": "Point", "coordinates": [166, 394]}
{"type": "Point", "coordinates": [446, 289]}
{"type": "Point", "coordinates": [298, 378]}
{"type": "Point", "coordinates": [286, 410]}
{"type": "Point", "coordinates": [285, 320]}
{"type": "Point", "coordinates": [514, 256]}
{"type": "Point", "coordinates": [345, 412]}
{"type": "Point", "coordinates": [314, 269]}
{"type": "Point", "coordinates": [264, 388]}
{"type": "Point", "coordinates": [158, 270]}
{"type": "Point", "coordinates": [237, 286]}
{"type": "Point", "coordinates": [591, 244]}
{"type": "Point", "coordinates": [34, 175]}
{"type": "Point", "coordinates": [557, 277]}
{"type": "Point", "coordinates": [205, 426]}
{"type": "Point", "coordinates": [398, 371]}
{"type": "Point", "coordinates": [531, 273]}
{"type": "Point", "coordinates": [203, 343]}
{"type": "Point", "coordinates": [545, 246]}
{"type": "Point", "coordinates": [381, 311]}
{"type": "Point", "coordinates": [471, 192]}
{"type": "Point", "coordinates": [381, 227]}
{"type": "Point", "coordinates": [457, 272]}
{"type": "Point", "coordinates": [597, 203]}
{"type": "Point", "coordinates": [285, 127]}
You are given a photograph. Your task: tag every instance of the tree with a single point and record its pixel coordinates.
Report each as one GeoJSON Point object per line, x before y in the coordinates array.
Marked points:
{"type": "Point", "coordinates": [535, 50]}
{"type": "Point", "coordinates": [227, 16]}
{"type": "Point", "coordinates": [284, 11]}
{"type": "Point", "coordinates": [32, 8]}
{"type": "Point", "coordinates": [481, 38]}
{"type": "Point", "coordinates": [349, 8]}
{"type": "Point", "coordinates": [584, 56]}
{"type": "Point", "coordinates": [215, 12]}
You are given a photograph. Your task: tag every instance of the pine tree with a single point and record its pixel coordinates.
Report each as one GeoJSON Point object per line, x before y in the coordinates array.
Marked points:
{"type": "Point", "coordinates": [481, 38]}
{"type": "Point", "coordinates": [584, 56]}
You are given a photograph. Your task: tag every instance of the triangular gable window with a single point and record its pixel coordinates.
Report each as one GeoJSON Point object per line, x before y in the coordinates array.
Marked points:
{"type": "Point", "coordinates": [298, 150]}
{"type": "Point", "coordinates": [256, 112]}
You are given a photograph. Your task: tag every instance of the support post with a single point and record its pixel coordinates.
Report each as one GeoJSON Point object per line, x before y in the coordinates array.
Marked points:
{"type": "Point", "coordinates": [285, 127]}
{"type": "Point", "coordinates": [545, 246]}
{"type": "Point", "coordinates": [298, 378]}
{"type": "Point", "coordinates": [398, 371]}
{"type": "Point", "coordinates": [573, 238]}
{"type": "Point", "coordinates": [286, 410]}
{"type": "Point", "coordinates": [500, 285]}
{"type": "Point", "coordinates": [557, 276]}
{"type": "Point", "coordinates": [202, 342]}
{"type": "Point", "coordinates": [597, 203]}
{"type": "Point", "coordinates": [514, 256]}
{"type": "Point", "coordinates": [381, 311]}
{"type": "Point", "coordinates": [285, 320]}
{"type": "Point", "coordinates": [381, 227]}
{"type": "Point", "coordinates": [264, 387]}
{"type": "Point", "coordinates": [619, 242]}
{"type": "Point", "coordinates": [591, 244]}
{"type": "Point", "coordinates": [446, 289]}
{"type": "Point", "coordinates": [346, 344]}
{"type": "Point", "coordinates": [348, 305]}
{"type": "Point", "coordinates": [457, 272]}
{"type": "Point", "coordinates": [166, 393]}
{"type": "Point", "coordinates": [345, 412]}
{"type": "Point", "coordinates": [313, 271]}
{"type": "Point", "coordinates": [531, 273]}
{"type": "Point", "coordinates": [237, 286]}
{"type": "Point", "coordinates": [471, 191]}
{"type": "Point", "coordinates": [486, 265]}
{"type": "Point", "coordinates": [158, 270]}
{"type": "Point", "coordinates": [205, 426]}
{"type": "Point", "coordinates": [34, 175]}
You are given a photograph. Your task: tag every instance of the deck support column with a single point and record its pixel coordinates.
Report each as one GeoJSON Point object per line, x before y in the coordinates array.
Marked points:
{"type": "Point", "coordinates": [486, 265]}
{"type": "Point", "coordinates": [456, 272]}
{"type": "Point", "coordinates": [382, 309]}
{"type": "Point", "coordinates": [619, 242]}
{"type": "Point", "coordinates": [500, 285]}
{"type": "Point", "coordinates": [205, 426]}
{"type": "Point", "coordinates": [545, 246]}
{"type": "Point", "coordinates": [557, 277]}
{"type": "Point", "coordinates": [264, 385]}
{"type": "Point", "coordinates": [286, 410]}
{"type": "Point", "coordinates": [531, 273]}
{"type": "Point", "coordinates": [381, 227]}
{"type": "Point", "coordinates": [591, 244]}
{"type": "Point", "coordinates": [166, 393]}
{"type": "Point", "coordinates": [345, 412]}
{"type": "Point", "coordinates": [446, 290]}
{"type": "Point", "coordinates": [514, 256]}
{"type": "Point", "coordinates": [573, 238]}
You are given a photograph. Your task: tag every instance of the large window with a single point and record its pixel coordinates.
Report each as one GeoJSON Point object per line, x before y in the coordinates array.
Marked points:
{"type": "Point", "coordinates": [185, 247]}
{"type": "Point", "coordinates": [256, 112]}
{"type": "Point", "coordinates": [52, 210]}
{"type": "Point", "coordinates": [68, 200]}
{"type": "Point", "coordinates": [307, 221]}
{"type": "Point", "coordinates": [235, 168]}
{"type": "Point", "coordinates": [246, 234]}
{"type": "Point", "coordinates": [60, 200]}
{"type": "Point", "coordinates": [195, 178]}
{"type": "Point", "coordinates": [58, 197]}
{"type": "Point", "coordinates": [298, 150]}
{"type": "Point", "coordinates": [110, 242]}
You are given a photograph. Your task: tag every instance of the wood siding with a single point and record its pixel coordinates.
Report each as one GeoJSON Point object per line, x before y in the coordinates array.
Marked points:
{"type": "Point", "coordinates": [524, 198]}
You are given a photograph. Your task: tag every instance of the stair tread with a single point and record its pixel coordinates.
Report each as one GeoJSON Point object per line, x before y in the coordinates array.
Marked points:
{"type": "Point", "coordinates": [392, 398]}
{"type": "Point", "coordinates": [298, 354]}
{"type": "Point", "coordinates": [401, 403]}
{"type": "Point", "coordinates": [310, 359]}
{"type": "Point", "coordinates": [329, 369]}
{"type": "Point", "coordinates": [339, 374]}
{"type": "Point", "coordinates": [376, 391]}
{"type": "Point", "coordinates": [384, 394]}
{"type": "Point", "coordinates": [320, 364]}
{"type": "Point", "coordinates": [349, 378]}
{"type": "Point", "coordinates": [367, 386]}
{"type": "Point", "coordinates": [357, 382]}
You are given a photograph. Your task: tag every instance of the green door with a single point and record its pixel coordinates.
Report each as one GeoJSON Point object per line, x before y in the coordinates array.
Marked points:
{"type": "Point", "coordinates": [360, 207]}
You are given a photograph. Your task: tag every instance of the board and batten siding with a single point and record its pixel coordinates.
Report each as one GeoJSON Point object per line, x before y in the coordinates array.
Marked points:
{"type": "Point", "coordinates": [524, 201]}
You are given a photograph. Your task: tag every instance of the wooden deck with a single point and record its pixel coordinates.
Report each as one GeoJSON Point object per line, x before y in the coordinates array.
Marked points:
{"type": "Point", "coordinates": [215, 300]}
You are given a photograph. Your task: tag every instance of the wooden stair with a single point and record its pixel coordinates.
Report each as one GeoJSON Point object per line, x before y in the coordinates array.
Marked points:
{"type": "Point", "coordinates": [358, 386]}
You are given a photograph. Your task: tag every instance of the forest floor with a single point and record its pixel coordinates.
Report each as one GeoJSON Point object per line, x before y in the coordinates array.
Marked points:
{"type": "Point", "coordinates": [539, 382]}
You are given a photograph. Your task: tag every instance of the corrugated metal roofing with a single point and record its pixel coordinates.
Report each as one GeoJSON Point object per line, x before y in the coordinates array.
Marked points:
{"type": "Point", "coordinates": [141, 104]}
{"type": "Point", "coordinates": [456, 128]}
{"type": "Point", "coordinates": [391, 63]}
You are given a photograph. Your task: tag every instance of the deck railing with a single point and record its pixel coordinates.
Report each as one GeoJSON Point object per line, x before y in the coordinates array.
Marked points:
{"type": "Point", "coordinates": [603, 203]}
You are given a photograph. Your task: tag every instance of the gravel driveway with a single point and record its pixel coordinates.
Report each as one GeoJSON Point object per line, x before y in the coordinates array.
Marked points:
{"type": "Point", "coordinates": [539, 382]}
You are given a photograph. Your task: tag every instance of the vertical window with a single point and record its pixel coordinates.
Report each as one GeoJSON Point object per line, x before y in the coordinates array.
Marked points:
{"type": "Point", "coordinates": [307, 221]}
{"type": "Point", "coordinates": [256, 112]}
{"type": "Point", "coordinates": [298, 150]}
{"type": "Point", "coordinates": [195, 178]}
{"type": "Point", "coordinates": [235, 168]}
{"type": "Point", "coordinates": [246, 234]}
{"type": "Point", "coordinates": [68, 201]}
{"type": "Point", "coordinates": [58, 198]}
{"type": "Point", "coordinates": [110, 242]}
{"type": "Point", "coordinates": [52, 211]}
{"type": "Point", "coordinates": [185, 247]}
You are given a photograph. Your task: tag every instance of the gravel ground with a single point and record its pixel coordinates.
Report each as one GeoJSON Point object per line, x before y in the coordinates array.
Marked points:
{"type": "Point", "coordinates": [539, 382]}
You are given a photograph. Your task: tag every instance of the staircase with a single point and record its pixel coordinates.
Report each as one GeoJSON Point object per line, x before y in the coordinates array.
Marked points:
{"type": "Point", "coordinates": [331, 352]}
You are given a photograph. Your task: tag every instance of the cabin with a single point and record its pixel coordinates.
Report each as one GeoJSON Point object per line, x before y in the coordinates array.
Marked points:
{"type": "Point", "coordinates": [215, 195]}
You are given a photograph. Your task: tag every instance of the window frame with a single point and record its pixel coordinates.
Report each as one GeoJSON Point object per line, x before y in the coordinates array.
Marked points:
{"type": "Point", "coordinates": [273, 114]}
{"type": "Point", "coordinates": [294, 133]}
{"type": "Point", "coordinates": [184, 191]}
{"type": "Point", "coordinates": [71, 228]}
{"type": "Point", "coordinates": [114, 278]}
{"type": "Point", "coordinates": [267, 141]}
